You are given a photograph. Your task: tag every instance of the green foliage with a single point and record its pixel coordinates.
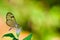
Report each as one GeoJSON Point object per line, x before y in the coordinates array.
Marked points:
{"type": "Point", "coordinates": [15, 39]}
{"type": "Point", "coordinates": [28, 37]}
{"type": "Point", "coordinates": [10, 35]}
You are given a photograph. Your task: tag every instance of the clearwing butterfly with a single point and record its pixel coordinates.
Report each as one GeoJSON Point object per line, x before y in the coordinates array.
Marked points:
{"type": "Point", "coordinates": [11, 22]}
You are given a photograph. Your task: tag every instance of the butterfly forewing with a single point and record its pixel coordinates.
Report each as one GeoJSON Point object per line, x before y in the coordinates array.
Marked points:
{"type": "Point", "coordinates": [10, 19]}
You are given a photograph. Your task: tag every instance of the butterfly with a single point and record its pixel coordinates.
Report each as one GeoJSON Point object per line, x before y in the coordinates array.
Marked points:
{"type": "Point", "coordinates": [11, 22]}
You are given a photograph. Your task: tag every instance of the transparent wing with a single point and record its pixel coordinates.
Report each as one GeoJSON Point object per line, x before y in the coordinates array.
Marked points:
{"type": "Point", "coordinates": [10, 20]}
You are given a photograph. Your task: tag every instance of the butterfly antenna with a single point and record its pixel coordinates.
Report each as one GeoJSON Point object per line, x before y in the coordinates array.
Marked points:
{"type": "Point", "coordinates": [10, 29]}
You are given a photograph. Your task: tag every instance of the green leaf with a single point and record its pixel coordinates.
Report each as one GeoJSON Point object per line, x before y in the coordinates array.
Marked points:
{"type": "Point", "coordinates": [9, 35]}
{"type": "Point", "coordinates": [28, 37]}
{"type": "Point", "coordinates": [15, 39]}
